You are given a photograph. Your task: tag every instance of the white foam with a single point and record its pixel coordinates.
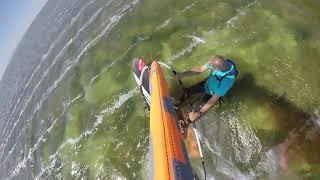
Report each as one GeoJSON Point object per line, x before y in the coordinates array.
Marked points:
{"type": "Point", "coordinates": [186, 50]}
{"type": "Point", "coordinates": [99, 119]}
{"type": "Point", "coordinates": [198, 39]}
{"type": "Point", "coordinates": [51, 47]}
{"type": "Point", "coordinates": [56, 82]}
{"type": "Point", "coordinates": [167, 21]}
{"type": "Point", "coordinates": [188, 7]}
{"type": "Point", "coordinates": [112, 22]}
{"type": "Point", "coordinates": [241, 12]}
{"type": "Point", "coordinates": [268, 162]}
{"type": "Point", "coordinates": [111, 64]}
{"type": "Point", "coordinates": [225, 166]}
{"type": "Point", "coordinates": [21, 164]}
{"type": "Point", "coordinates": [66, 106]}
{"type": "Point", "coordinates": [164, 24]}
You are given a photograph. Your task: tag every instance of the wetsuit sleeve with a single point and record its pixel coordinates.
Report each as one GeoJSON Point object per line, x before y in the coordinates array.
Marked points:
{"type": "Point", "coordinates": [207, 66]}
{"type": "Point", "coordinates": [225, 86]}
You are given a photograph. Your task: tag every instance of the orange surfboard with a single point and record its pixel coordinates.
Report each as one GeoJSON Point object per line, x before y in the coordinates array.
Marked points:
{"type": "Point", "coordinates": [168, 154]}
{"type": "Point", "coordinates": [189, 137]}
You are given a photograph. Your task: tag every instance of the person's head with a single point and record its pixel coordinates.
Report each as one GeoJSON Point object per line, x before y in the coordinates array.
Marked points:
{"type": "Point", "coordinates": [218, 62]}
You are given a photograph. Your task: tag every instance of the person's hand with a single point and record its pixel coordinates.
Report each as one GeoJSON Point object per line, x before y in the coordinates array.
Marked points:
{"type": "Point", "coordinates": [194, 115]}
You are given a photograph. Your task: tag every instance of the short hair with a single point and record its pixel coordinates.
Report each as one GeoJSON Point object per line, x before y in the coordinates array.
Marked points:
{"type": "Point", "coordinates": [217, 57]}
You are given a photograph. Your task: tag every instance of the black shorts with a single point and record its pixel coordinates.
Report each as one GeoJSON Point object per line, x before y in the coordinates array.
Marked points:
{"type": "Point", "coordinates": [199, 89]}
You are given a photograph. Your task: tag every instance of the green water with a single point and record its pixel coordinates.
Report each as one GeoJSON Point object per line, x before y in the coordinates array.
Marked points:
{"type": "Point", "coordinates": [275, 44]}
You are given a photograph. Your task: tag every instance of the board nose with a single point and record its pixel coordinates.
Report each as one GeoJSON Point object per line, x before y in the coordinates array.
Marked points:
{"type": "Point", "coordinates": [141, 64]}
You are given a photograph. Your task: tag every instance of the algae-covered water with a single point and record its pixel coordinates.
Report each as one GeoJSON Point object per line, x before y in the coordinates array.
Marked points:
{"type": "Point", "coordinates": [70, 108]}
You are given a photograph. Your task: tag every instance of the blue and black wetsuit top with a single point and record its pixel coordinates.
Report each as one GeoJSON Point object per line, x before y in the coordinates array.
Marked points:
{"type": "Point", "coordinates": [219, 81]}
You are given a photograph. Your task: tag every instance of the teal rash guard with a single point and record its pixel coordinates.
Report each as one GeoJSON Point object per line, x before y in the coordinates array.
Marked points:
{"type": "Point", "coordinates": [219, 82]}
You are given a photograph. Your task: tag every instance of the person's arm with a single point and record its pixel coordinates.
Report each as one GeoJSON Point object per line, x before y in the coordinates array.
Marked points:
{"type": "Point", "coordinates": [195, 115]}
{"type": "Point", "coordinates": [192, 72]}
{"type": "Point", "coordinates": [209, 103]}
{"type": "Point", "coordinates": [225, 86]}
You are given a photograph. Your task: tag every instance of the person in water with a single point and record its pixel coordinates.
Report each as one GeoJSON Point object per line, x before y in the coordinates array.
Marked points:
{"type": "Point", "coordinates": [222, 76]}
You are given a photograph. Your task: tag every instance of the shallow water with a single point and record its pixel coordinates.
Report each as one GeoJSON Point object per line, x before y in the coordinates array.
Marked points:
{"type": "Point", "coordinates": [78, 114]}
